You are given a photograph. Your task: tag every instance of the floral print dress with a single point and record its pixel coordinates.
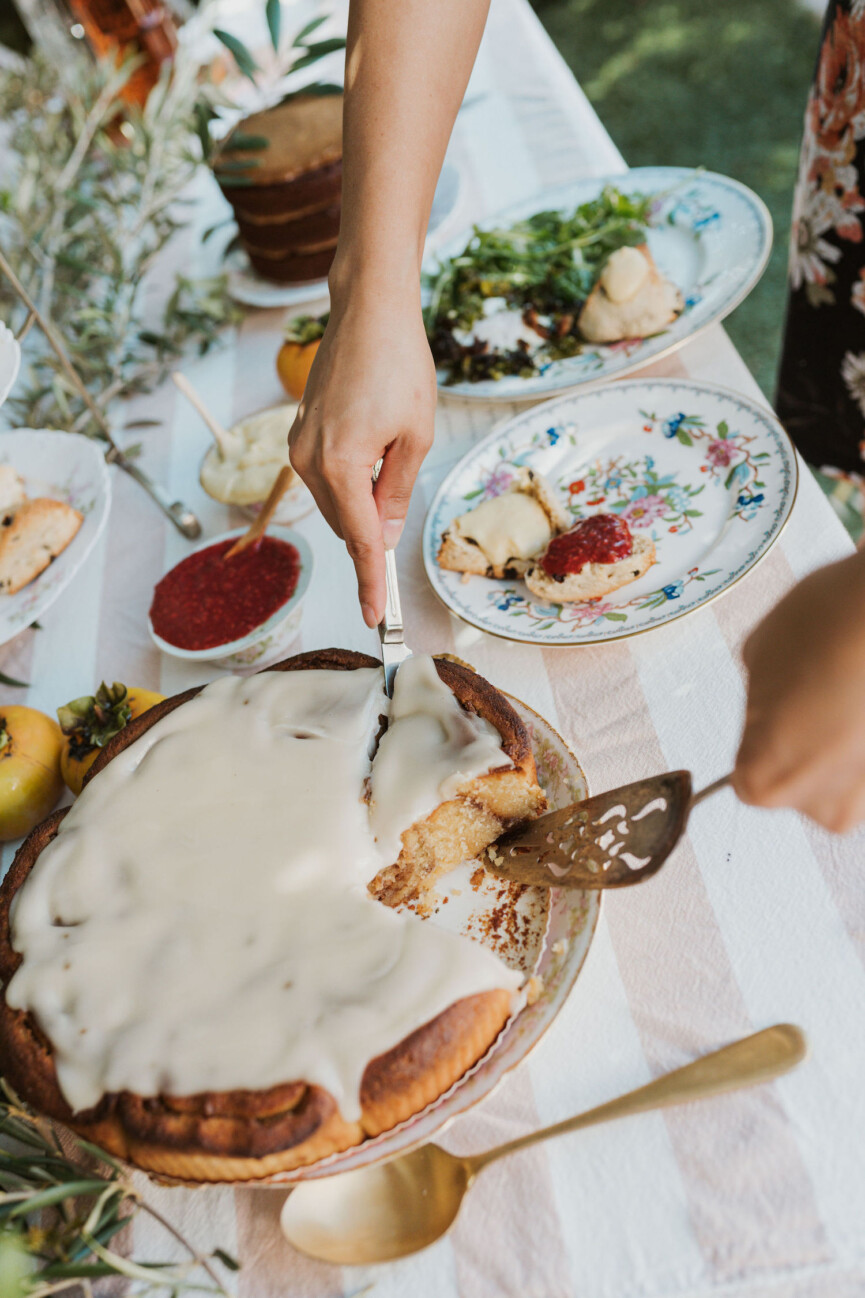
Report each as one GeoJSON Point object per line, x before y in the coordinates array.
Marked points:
{"type": "Point", "coordinates": [821, 384]}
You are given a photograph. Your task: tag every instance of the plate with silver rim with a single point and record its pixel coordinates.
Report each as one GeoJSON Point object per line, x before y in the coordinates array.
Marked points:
{"type": "Point", "coordinates": [709, 234]}
{"type": "Point", "coordinates": [708, 475]}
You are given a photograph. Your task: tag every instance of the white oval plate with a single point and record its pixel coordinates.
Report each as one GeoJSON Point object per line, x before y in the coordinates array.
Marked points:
{"type": "Point", "coordinates": [67, 467]}
{"type": "Point", "coordinates": [709, 475]}
{"type": "Point", "coordinates": [710, 235]}
{"type": "Point", "coordinates": [10, 360]}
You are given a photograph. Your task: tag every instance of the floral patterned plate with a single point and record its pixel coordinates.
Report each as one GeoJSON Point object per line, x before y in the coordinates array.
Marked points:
{"type": "Point", "coordinates": [709, 475]}
{"type": "Point", "coordinates": [67, 467]}
{"type": "Point", "coordinates": [710, 235]}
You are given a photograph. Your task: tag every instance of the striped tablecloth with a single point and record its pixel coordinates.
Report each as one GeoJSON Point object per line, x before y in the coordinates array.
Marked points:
{"type": "Point", "coordinates": [761, 919]}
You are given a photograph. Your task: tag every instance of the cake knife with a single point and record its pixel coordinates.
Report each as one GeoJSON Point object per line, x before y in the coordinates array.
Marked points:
{"type": "Point", "coordinates": [394, 650]}
{"type": "Point", "coordinates": [390, 629]}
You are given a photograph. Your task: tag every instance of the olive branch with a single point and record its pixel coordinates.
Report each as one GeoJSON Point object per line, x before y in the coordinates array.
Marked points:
{"type": "Point", "coordinates": [59, 1211]}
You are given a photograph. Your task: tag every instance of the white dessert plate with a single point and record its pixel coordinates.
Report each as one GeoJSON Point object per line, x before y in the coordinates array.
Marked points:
{"type": "Point", "coordinates": [67, 467]}
{"type": "Point", "coordinates": [710, 235]}
{"type": "Point", "coordinates": [546, 933]}
{"type": "Point", "coordinates": [709, 475]}
{"type": "Point", "coordinates": [10, 360]}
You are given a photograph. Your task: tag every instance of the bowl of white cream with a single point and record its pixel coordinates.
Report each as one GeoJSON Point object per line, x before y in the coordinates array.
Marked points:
{"type": "Point", "coordinates": [244, 474]}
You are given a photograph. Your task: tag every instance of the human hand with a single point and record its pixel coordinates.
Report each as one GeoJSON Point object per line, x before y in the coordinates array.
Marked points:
{"type": "Point", "coordinates": [803, 744]}
{"type": "Point", "coordinates": [371, 393]}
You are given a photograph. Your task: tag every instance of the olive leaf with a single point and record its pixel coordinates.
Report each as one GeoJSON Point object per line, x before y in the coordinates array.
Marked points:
{"type": "Point", "coordinates": [273, 13]}
{"type": "Point", "coordinates": [242, 57]}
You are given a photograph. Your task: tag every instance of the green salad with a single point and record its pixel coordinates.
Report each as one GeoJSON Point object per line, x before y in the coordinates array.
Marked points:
{"type": "Point", "coordinates": [543, 268]}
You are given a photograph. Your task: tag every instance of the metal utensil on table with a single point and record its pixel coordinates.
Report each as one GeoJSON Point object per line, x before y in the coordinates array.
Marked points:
{"type": "Point", "coordinates": [394, 650]}
{"type": "Point", "coordinates": [391, 1209]}
{"type": "Point", "coordinates": [179, 514]}
{"type": "Point", "coordinates": [613, 840]}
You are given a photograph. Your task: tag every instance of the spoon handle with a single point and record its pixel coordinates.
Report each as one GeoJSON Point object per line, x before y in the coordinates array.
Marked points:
{"type": "Point", "coordinates": [260, 523]}
{"type": "Point", "coordinates": [757, 1058]}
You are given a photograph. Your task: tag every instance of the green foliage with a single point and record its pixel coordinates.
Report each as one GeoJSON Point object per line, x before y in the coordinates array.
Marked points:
{"type": "Point", "coordinates": [87, 202]}
{"type": "Point", "coordinates": [548, 262]}
{"type": "Point", "coordinates": [61, 1206]}
{"type": "Point", "coordinates": [723, 86]}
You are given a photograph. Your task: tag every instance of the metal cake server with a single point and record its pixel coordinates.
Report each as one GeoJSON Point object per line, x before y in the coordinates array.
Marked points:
{"type": "Point", "coordinates": [613, 840]}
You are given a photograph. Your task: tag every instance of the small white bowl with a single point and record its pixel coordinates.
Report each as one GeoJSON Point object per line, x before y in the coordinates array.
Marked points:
{"type": "Point", "coordinates": [268, 642]}
{"type": "Point", "coordinates": [295, 504]}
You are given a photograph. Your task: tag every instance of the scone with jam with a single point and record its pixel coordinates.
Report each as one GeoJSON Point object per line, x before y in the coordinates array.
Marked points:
{"type": "Point", "coordinates": [499, 537]}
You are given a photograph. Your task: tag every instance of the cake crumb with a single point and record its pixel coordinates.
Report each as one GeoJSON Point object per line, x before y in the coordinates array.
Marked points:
{"type": "Point", "coordinates": [534, 987]}
{"type": "Point", "coordinates": [560, 947]}
{"type": "Point", "coordinates": [465, 578]}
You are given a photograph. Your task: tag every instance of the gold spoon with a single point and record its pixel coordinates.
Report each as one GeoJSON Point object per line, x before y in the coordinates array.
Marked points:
{"type": "Point", "coordinates": [391, 1209]}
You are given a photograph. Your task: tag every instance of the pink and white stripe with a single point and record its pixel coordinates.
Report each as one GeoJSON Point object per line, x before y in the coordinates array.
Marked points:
{"type": "Point", "coordinates": [761, 917]}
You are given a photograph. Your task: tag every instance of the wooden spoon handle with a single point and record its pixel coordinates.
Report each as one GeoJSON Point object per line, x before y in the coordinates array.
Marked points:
{"type": "Point", "coordinates": [259, 526]}
{"type": "Point", "coordinates": [225, 440]}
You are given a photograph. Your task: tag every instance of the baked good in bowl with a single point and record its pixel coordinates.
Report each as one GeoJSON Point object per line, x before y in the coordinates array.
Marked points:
{"type": "Point", "coordinates": [248, 1007]}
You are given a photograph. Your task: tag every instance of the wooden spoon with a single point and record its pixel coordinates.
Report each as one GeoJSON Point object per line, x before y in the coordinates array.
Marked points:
{"type": "Point", "coordinates": [284, 479]}
{"type": "Point", "coordinates": [227, 443]}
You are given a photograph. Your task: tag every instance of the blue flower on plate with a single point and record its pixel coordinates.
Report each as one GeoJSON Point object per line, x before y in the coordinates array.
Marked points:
{"type": "Point", "coordinates": [744, 500]}
{"type": "Point", "coordinates": [678, 499]}
{"type": "Point", "coordinates": [674, 590]}
{"type": "Point", "coordinates": [671, 426]}
{"type": "Point", "coordinates": [553, 435]}
{"type": "Point", "coordinates": [505, 600]}
{"type": "Point", "coordinates": [615, 480]}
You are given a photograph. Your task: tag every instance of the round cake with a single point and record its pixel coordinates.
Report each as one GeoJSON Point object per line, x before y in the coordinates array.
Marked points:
{"type": "Point", "coordinates": [286, 194]}
{"type": "Point", "coordinates": [149, 986]}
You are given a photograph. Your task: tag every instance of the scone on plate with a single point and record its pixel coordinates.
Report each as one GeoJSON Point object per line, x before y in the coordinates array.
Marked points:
{"type": "Point", "coordinates": [631, 299]}
{"type": "Point", "coordinates": [499, 537]}
{"type": "Point", "coordinates": [31, 535]}
{"type": "Point", "coordinates": [591, 560]}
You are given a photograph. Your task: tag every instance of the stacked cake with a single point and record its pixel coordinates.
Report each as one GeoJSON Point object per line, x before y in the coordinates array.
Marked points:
{"type": "Point", "coordinates": [285, 189]}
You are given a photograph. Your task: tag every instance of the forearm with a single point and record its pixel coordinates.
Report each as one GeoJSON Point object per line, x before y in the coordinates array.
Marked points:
{"type": "Point", "coordinates": [407, 66]}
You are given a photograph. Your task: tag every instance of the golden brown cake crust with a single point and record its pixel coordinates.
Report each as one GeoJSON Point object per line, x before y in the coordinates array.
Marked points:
{"type": "Point", "coordinates": [243, 1135]}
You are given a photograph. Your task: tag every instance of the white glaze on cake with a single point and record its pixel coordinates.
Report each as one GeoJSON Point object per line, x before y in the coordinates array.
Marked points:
{"type": "Point", "coordinates": [201, 921]}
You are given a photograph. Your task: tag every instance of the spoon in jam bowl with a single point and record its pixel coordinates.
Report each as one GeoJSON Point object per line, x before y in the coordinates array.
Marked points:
{"type": "Point", "coordinates": [390, 1209]}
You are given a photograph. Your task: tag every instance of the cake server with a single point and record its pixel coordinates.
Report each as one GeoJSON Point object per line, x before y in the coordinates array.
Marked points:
{"type": "Point", "coordinates": [613, 840]}
{"type": "Point", "coordinates": [391, 1209]}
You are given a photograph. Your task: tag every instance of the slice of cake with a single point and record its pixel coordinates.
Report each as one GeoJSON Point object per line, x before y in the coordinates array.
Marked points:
{"type": "Point", "coordinates": [498, 537]}
{"type": "Point", "coordinates": [195, 975]}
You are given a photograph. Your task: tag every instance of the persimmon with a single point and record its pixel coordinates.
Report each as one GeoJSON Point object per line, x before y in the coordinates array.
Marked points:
{"type": "Point", "coordinates": [30, 779]}
{"type": "Point", "coordinates": [89, 722]}
{"type": "Point", "coordinates": [294, 359]}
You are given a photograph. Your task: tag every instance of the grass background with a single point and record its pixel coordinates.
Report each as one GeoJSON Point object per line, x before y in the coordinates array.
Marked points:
{"type": "Point", "coordinates": [714, 83]}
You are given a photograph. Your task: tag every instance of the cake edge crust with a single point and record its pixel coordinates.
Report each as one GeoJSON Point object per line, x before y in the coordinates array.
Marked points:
{"type": "Point", "coordinates": [246, 1135]}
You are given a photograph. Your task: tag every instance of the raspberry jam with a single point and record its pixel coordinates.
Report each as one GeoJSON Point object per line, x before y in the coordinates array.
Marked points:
{"type": "Point", "coordinates": [207, 600]}
{"type": "Point", "coordinates": [603, 538]}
